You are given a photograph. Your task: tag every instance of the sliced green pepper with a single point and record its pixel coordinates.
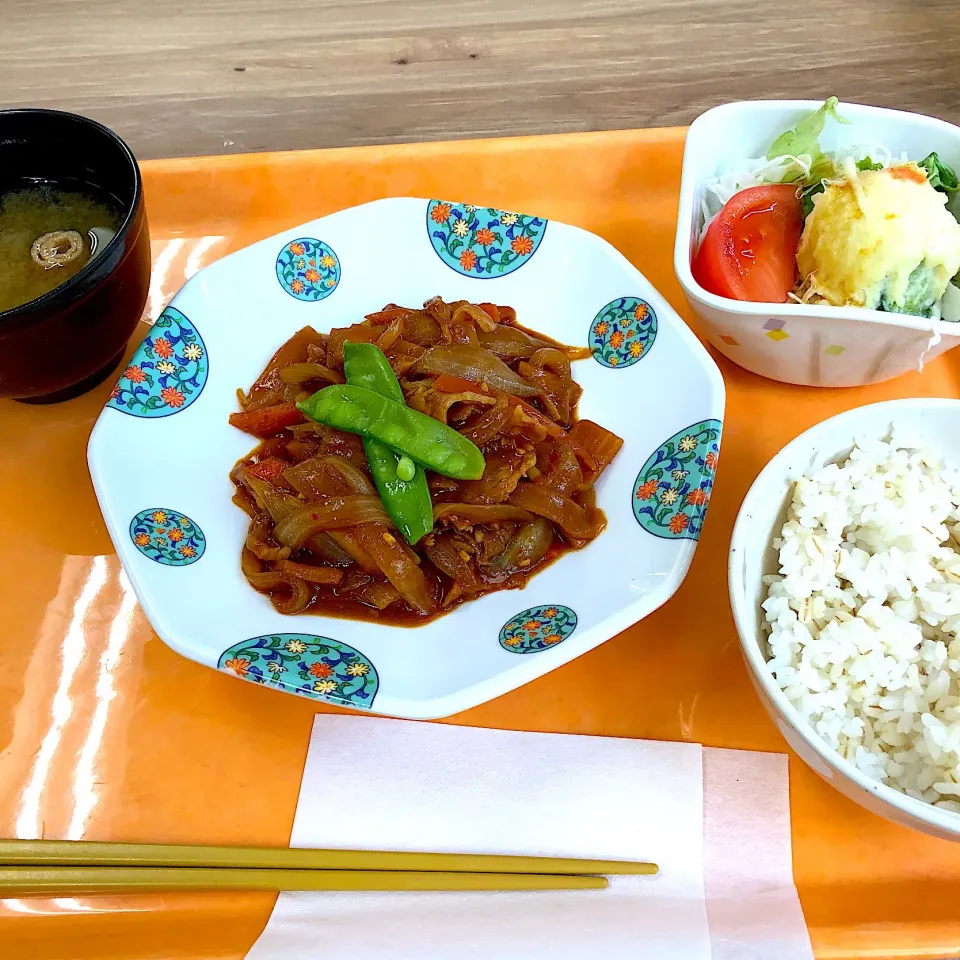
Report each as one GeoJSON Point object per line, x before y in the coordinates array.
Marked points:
{"type": "Point", "coordinates": [405, 494]}
{"type": "Point", "coordinates": [423, 439]}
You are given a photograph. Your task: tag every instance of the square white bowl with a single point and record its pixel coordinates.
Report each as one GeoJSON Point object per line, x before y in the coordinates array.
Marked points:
{"type": "Point", "coordinates": [810, 344]}
{"type": "Point", "coordinates": [149, 457]}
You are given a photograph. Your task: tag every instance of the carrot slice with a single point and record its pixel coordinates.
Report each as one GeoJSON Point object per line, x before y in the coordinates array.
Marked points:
{"type": "Point", "coordinates": [267, 421]}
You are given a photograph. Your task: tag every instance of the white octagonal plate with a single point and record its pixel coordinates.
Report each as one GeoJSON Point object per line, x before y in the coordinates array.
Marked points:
{"type": "Point", "coordinates": [162, 449]}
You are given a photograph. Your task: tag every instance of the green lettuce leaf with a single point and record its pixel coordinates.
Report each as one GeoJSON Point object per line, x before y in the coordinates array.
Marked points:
{"type": "Point", "coordinates": [805, 138]}
{"type": "Point", "coordinates": [941, 176]}
{"type": "Point", "coordinates": [867, 164]}
{"type": "Point", "coordinates": [807, 195]}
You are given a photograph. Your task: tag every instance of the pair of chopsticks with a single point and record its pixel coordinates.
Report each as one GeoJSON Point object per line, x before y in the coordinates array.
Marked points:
{"type": "Point", "coordinates": [53, 867]}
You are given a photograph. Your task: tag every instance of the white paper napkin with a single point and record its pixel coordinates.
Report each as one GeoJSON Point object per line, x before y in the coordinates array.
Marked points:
{"type": "Point", "coordinates": [396, 785]}
{"type": "Point", "coordinates": [752, 904]}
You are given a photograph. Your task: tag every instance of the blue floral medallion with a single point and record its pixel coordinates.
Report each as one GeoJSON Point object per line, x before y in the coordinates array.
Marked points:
{"type": "Point", "coordinates": [482, 242]}
{"type": "Point", "coordinates": [622, 332]}
{"type": "Point", "coordinates": [538, 628]}
{"type": "Point", "coordinates": [308, 269]}
{"type": "Point", "coordinates": [672, 491]}
{"type": "Point", "coordinates": [302, 663]}
{"type": "Point", "coordinates": [168, 371]}
{"type": "Point", "coordinates": [168, 537]}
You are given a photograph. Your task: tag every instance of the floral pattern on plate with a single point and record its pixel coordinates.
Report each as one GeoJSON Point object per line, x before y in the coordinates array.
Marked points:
{"type": "Point", "coordinates": [167, 373]}
{"type": "Point", "coordinates": [672, 491]}
{"type": "Point", "coordinates": [308, 269]}
{"type": "Point", "coordinates": [482, 242]}
{"type": "Point", "coordinates": [306, 664]}
{"type": "Point", "coordinates": [168, 537]}
{"type": "Point", "coordinates": [622, 332]}
{"type": "Point", "coordinates": [538, 628]}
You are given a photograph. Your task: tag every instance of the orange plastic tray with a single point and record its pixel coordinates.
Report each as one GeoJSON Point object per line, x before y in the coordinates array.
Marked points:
{"type": "Point", "coordinates": [106, 734]}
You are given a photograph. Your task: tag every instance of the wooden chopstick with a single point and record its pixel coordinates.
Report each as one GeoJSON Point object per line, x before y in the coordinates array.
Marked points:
{"type": "Point", "coordinates": [88, 853]}
{"type": "Point", "coordinates": [51, 881]}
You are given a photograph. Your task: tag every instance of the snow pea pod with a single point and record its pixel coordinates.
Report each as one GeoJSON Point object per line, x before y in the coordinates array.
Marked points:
{"type": "Point", "coordinates": [423, 439]}
{"type": "Point", "coordinates": [407, 500]}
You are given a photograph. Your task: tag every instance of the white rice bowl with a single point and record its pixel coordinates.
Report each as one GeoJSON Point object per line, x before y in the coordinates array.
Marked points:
{"type": "Point", "coordinates": [862, 619]}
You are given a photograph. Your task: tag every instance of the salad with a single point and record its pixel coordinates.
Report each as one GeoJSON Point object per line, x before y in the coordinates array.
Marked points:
{"type": "Point", "coordinates": [857, 227]}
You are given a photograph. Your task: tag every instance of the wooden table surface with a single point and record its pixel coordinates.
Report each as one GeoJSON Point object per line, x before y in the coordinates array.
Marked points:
{"type": "Point", "coordinates": [179, 77]}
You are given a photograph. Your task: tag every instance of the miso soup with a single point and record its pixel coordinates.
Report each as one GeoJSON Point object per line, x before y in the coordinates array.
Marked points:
{"type": "Point", "coordinates": [48, 233]}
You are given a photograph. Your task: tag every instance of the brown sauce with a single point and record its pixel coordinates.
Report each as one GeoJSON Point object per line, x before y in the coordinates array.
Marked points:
{"type": "Point", "coordinates": [542, 463]}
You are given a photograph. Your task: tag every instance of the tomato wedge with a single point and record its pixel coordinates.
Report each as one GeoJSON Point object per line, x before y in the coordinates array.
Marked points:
{"type": "Point", "coordinates": [750, 250]}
